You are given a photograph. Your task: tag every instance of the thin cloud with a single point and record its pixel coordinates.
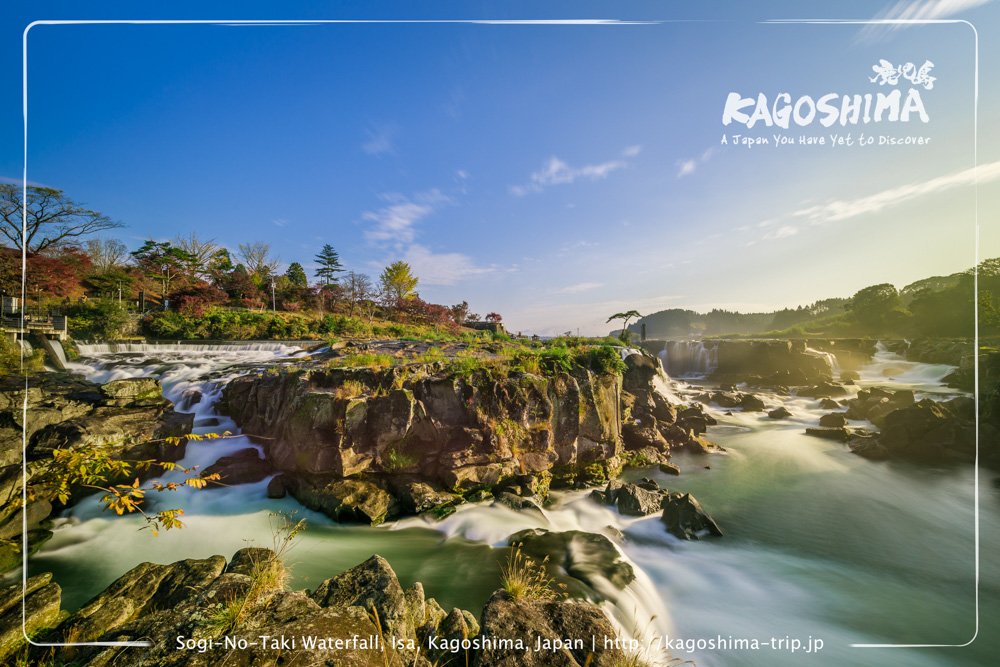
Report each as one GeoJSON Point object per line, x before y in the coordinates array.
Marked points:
{"type": "Point", "coordinates": [446, 268]}
{"type": "Point", "coordinates": [380, 141]}
{"type": "Point", "coordinates": [558, 172]}
{"type": "Point", "coordinates": [843, 209]}
{"type": "Point", "coordinates": [578, 287]}
{"type": "Point", "coordinates": [280, 222]}
{"type": "Point", "coordinates": [394, 223]}
{"type": "Point", "coordinates": [689, 166]}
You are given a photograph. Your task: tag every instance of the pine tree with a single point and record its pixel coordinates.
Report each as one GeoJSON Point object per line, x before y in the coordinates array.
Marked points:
{"type": "Point", "coordinates": [329, 264]}
{"type": "Point", "coordinates": [297, 275]}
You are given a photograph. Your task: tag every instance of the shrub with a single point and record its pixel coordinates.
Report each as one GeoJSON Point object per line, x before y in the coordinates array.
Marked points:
{"type": "Point", "coordinates": [525, 579]}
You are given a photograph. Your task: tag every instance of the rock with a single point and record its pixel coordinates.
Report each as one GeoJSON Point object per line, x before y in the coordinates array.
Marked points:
{"type": "Point", "coordinates": [132, 389]}
{"type": "Point", "coordinates": [242, 467]}
{"type": "Point", "coordinates": [633, 500]}
{"type": "Point", "coordinates": [684, 517]}
{"type": "Point", "coordinates": [849, 376]}
{"type": "Point", "coordinates": [670, 469]}
{"type": "Point", "coordinates": [833, 420]}
{"type": "Point", "coordinates": [373, 586]}
{"type": "Point", "coordinates": [829, 404]}
{"type": "Point", "coordinates": [276, 487]}
{"type": "Point", "coordinates": [589, 558]}
{"type": "Point", "coordinates": [419, 497]}
{"type": "Point", "coordinates": [928, 430]}
{"type": "Point", "coordinates": [40, 599]}
{"type": "Point", "coordinates": [751, 403]}
{"type": "Point", "coordinates": [779, 413]}
{"type": "Point", "coordinates": [145, 589]}
{"type": "Point", "coordinates": [550, 622]}
{"type": "Point", "coordinates": [517, 502]}
{"type": "Point", "coordinates": [823, 390]}
{"type": "Point", "coordinates": [342, 499]}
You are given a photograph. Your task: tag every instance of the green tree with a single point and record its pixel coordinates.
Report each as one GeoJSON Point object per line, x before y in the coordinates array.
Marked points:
{"type": "Point", "coordinates": [398, 283]}
{"type": "Point", "coordinates": [297, 275]}
{"type": "Point", "coordinates": [329, 264]}
{"type": "Point", "coordinates": [163, 262]}
{"type": "Point", "coordinates": [624, 317]}
{"type": "Point", "coordinates": [874, 306]}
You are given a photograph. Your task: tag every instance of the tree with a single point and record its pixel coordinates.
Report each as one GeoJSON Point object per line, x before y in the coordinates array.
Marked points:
{"type": "Point", "coordinates": [297, 275]}
{"type": "Point", "coordinates": [201, 253]}
{"type": "Point", "coordinates": [106, 255]}
{"type": "Point", "coordinates": [495, 318]}
{"type": "Point", "coordinates": [460, 312]}
{"type": "Point", "coordinates": [872, 305]}
{"type": "Point", "coordinates": [53, 219]}
{"type": "Point", "coordinates": [163, 262]}
{"type": "Point", "coordinates": [329, 264]}
{"type": "Point", "coordinates": [258, 261]}
{"type": "Point", "coordinates": [624, 317]}
{"type": "Point", "coordinates": [359, 289]}
{"type": "Point", "coordinates": [398, 283]}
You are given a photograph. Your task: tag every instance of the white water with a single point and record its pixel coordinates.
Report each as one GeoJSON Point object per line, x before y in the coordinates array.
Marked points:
{"type": "Point", "coordinates": [831, 360]}
{"type": "Point", "coordinates": [819, 542]}
{"type": "Point", "coordinates": [689, 358]}
{"type": "Point", "coordinates": [888, 368]}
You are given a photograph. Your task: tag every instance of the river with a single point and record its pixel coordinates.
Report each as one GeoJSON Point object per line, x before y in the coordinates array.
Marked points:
{"type": "Point", "coordinates": [820, 544]}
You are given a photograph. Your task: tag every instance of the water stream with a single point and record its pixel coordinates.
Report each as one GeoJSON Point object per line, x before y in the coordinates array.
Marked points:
{"type": "Point", "coordinates": [820, 543]}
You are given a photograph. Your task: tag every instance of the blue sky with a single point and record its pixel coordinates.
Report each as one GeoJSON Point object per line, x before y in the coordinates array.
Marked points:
{"type": "Point", "coordinates": [552, 173]}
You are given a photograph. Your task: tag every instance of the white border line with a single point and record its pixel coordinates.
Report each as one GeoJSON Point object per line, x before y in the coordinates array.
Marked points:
{"type": "Point", "coordinates": [574, 22]}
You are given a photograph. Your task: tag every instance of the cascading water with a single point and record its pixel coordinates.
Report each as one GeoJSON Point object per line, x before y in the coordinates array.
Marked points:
{"type": "Point", "coordinates": [689, 358]}
{"type": "Point", "coordinates": [818, 543]}
{"type": "Point", "coordinates": [831, 359]}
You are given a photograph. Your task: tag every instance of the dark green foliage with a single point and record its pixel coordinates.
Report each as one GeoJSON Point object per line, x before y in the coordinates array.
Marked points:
{"type": "Point", "coordinates": [297, 275]}
{"type": "Point", "coordinates": [329, 264]}
{"type": "Point", "coordinates": [99, 319]}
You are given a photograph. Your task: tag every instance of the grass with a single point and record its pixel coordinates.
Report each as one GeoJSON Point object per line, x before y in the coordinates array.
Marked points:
{"type": "Point", "coordinates": [395, 460]}
{"type": "Point", "coordinates": [268, 576]}
{"type": "Point", "coordinates": [363, 360]}
{"type": "Point", "coordinates": [525, 579]}
{"type": "Point", "coordinates": [350, 389]}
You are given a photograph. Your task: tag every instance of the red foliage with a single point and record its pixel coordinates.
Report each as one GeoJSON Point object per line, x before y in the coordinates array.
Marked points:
{"type": "Point", "coordinates": [495, 318]}
{"type": "Point", "coordinates": [195, 299]}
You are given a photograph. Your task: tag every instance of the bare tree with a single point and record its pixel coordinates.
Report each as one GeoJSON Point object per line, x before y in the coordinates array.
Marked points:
{"type": "Point", "coordinates": [359, 288]}
{"type": "Point", "coordinates": [52, 219]}
{"type": "Point", "coordinates": [256, 257]}
{"type": "Point", "coordinates": [106, 254]}
{"type": "Point", "coordinates": [202, 252]}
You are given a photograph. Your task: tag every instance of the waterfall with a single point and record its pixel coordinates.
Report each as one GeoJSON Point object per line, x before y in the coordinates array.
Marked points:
{"type": "Point", "coordinates": [831, 359]}
{"type": "Point", "coordinates": [686, 358]}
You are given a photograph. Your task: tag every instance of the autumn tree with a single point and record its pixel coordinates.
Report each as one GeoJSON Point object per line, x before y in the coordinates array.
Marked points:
{"type": "Point", "coordinates": [494, 318]}
{"type": "Point", "coordinates": [398, 283]}
{"type": "Point", "coordinates": [52, 219]}
{"type": "Point", "coordinates": [329, 264]}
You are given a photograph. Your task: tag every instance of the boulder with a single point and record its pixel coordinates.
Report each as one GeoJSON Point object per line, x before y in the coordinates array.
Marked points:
{"type": "Point", "coordinates": [751, 403]}
{"type": "Point", "coordinates": [670, 469]}
{"type": "Point", "coordinates": [551, 623]}
{"type": "Point", "coordinates": [823, 390]}
{"type": "Point", "coordinates": [276, 487]}
{"type": "Point", "coordinates": [589, 558]}
{"type": "Point", "coordinates": [833, 420]}
{"type": "Point", "coordinates": [374, 587]}
{"type": "Point", "coordinates": [841, 434]}
{"type": "Point", "coordinates": [40, 599]}
{"type": "Point", "coordinates": [779, 413]}
{"type": "Point", "coordinates": [131, 389]}
{"type": "Point", "coordinates": [243, 467]}
{"type": "Point", "coordinates": [633, 500]}
{"type": "Point", "coordinates": [420, 497]}
{"type": "Point", "coordinates": [684, 517]}
{"type": "Point", "coordinates": [342, 499]}
{"type": "Point", "coordinates": [829, 404]}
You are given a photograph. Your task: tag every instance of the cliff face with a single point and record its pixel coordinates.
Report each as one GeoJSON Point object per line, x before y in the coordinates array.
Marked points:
{"type": "Point", "coordinates": [406, 426]}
